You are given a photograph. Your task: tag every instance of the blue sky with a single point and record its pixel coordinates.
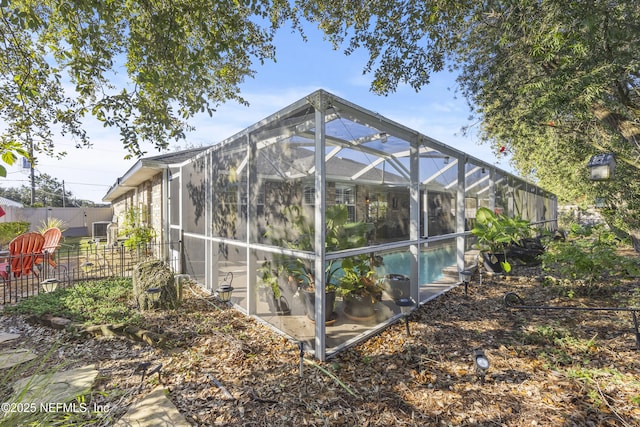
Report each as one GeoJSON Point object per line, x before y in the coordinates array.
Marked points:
{"type": "Point", "coordinates": [300, 69]}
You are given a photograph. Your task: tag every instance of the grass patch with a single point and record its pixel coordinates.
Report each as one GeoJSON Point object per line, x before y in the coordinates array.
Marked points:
{"type": "Point", "coordinates": [92, 303]}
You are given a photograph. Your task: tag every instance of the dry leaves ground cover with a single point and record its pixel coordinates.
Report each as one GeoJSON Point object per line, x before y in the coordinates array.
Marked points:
{"type": "Point", "coordinates": [547, 368]}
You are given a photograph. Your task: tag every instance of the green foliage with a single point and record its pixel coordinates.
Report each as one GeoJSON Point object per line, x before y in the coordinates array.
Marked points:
{"type": "Point", "coordinates": [9, 230]}
{"type": "Point", "coordinates": [588, 254]}
{"type": "Point", "coordinates": [181, 58]}
{"type": "Point", "coordinates": [299, 234]}
{"type": "Point", "coordinates": [137, 232]}
{"type": "Point", "coordinates": [495, 232]}
{"type": "Point", "coordinates": [552, 82]}
{"type": "Point", "coordinates": [52, 222]}
{"type": "Point", "coordinates": [48, 192]}
{"type": "Point", "coordinates": [91, 302]}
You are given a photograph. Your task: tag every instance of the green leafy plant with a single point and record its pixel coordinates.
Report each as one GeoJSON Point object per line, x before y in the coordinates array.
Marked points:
{"type": "Point", "coordinates": [137, 232]}
{"type": "Point", "coordinates": [52, 222]}
{"type": "Point", "coordinates": [340, 235]}
{"type": "Point", "coordinates": [92, 302]}
{"type": "Point", "coordinates": [9, 230]}
{"type": "Point", "coordinates": [588, 254]}
{"type": "Point", "coordinates": [495, 232]}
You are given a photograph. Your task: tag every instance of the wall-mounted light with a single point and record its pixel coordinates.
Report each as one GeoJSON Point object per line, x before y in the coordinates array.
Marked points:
{"type": "Point", "coordinates": [446, 160]}
{"type": "Point", "coordinates": [602, 166]}
{"type": "Point", "coordinates": [484, 170]}
{"type": "Point", "coordinates": [384, 137]}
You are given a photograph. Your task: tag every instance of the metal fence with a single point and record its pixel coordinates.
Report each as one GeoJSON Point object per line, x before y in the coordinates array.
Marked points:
{"type": "Point", "coordinates": [70, 265]}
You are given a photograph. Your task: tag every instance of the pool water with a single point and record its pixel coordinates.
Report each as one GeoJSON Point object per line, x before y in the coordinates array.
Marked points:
{"type": "Point", "coordinates": [432, 262]}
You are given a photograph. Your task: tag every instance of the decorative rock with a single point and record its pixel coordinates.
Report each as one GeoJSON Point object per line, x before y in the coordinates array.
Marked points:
{"type": "Point", "coordinates": [55, 322]}
{"type": "Point", "coordinates": [154, 274]}
{"type": "Point", "coordinates": [59, 322]}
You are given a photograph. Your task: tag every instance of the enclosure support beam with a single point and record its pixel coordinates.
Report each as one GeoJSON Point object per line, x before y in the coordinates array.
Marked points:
{"type": "Point", "coordinates": [460, 212]}
{"type": "Point", "coordinates": [252, 225]}
{"type": "Point", "coordinates": [320, 230]}
{"type": "Point", "coordinates": [492, 188]}
{"type": "Point", "coordinates": [414, 215]}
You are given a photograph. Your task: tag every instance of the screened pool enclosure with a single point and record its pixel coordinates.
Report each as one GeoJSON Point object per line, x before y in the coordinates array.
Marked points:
{"type": "Point", "coordinates": [325, 204]}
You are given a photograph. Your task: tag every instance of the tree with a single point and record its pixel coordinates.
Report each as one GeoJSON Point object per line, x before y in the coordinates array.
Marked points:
{"type": "Point", "coordinates": [145, 67]}
{"type": "Point", "coordinates": [49, 192]}
{"type": "Point", "coordinates": [552, 82]}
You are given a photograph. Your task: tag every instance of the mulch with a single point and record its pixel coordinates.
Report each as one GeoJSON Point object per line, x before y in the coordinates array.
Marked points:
{"type": "Point", "coordinates": [222, 368]}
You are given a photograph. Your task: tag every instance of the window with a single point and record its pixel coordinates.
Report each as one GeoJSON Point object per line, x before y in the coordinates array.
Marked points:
{"type": "Point", "coordinates": [346, 195]}
{"type": "Point", "coordinates": [309, 195]}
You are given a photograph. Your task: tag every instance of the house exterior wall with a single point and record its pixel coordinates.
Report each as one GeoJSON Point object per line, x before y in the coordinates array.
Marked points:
{"type": "Point", "coordinates": [147, 198]}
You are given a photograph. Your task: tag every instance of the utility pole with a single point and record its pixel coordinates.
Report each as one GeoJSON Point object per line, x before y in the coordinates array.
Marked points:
{"type": "Point", "coordinates": [63, 204]}
{"type": "Point", "coordinates": [33, 176]}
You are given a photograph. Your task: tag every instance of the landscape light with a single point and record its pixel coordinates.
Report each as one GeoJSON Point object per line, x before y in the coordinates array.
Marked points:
{"type": "Point", "coordinates": [406, 306]}
{"type": "Point", "coordinates": [224, 293]}
{"type": "Point", "coordinates": [465, 277]}
{"type": "Point", "coordinates": [225, 289]}
{"type": "Point", "coordinates": [481, 362]}
{"type": "Point", "coordinates": [49, 285]}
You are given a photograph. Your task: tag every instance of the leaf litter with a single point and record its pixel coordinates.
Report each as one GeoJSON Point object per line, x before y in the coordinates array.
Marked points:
{"type": "Point", "coordinates": [223, 368]}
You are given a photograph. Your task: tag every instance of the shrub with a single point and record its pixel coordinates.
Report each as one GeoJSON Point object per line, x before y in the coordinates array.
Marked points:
{"type": "Point", "coordinates": [9, 230]}
{"type": "Point", "coordinates": [92, 302]}
{"type": "Point", "coordinates": [588, 254]}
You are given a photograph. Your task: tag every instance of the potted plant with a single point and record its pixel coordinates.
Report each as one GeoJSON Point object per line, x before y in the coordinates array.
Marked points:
{"type": "Point", "coordinates": [271, 292]}
{"type": "Point", "coordinates": [360, 286]}
{"type": "Point", "coordinates": [340, 234]}
{"type": "Point", "coordinates": [496, 233]}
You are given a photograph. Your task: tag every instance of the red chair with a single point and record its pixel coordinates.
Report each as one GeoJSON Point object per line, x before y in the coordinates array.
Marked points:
{"type": "Point", "coordinates": [23, 251]}
{"type": "Point", "coordinates": [52, 238]}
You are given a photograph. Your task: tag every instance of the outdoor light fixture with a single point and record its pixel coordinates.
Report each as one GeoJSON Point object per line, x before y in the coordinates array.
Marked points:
{"type": "Point", "coordinates": [602, 166]}
{"type": "Point", "coordinates": [481, 362]}
{"type": "Point", "coordinates": [225, 289]}
{"type": "Point", "coordinates": [224, 293]}
{"type": "Point", "coordinates": [384, 137]}
{"type": "Point", "coordinates": [49, 285]}
{"type": "Point", "coordinates": [406, 306]}
{"type": "Point", "coordinates": [484, 170]}
{"type": "Point", "coordinates": [446, 160]}
{"type": "Point", "coordinates": [153, 295]}
{"type": "Point", "coordinates": [465, 277]}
